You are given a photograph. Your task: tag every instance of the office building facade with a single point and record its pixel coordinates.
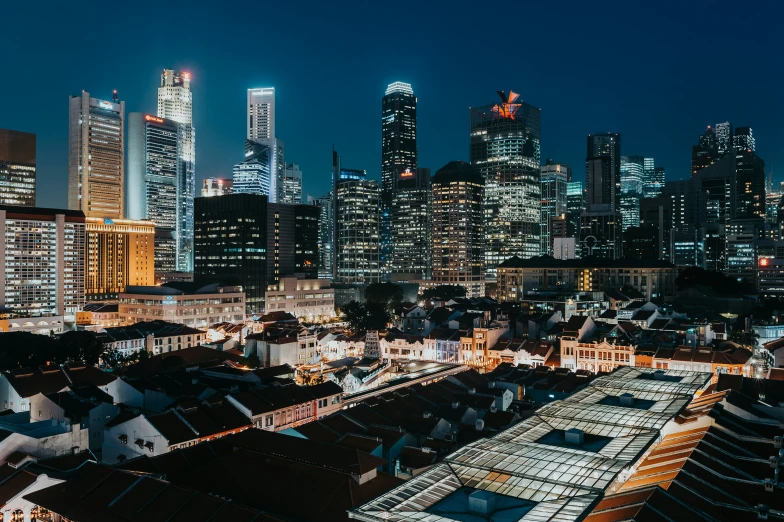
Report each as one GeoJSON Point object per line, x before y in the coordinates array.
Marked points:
{"type": "Point", "coordinates": [555, 180]}
{"type": "Point", "coordinates": [253, 175]}
{"type": "Point", "coordinates": [743, 140]}
{"type": "Point", "coordinates": [292, 241]}
{"type": "Point", "coordinates": [457, 235]}
{"type": "Point", "coordinates": [96, 156]}
{"type": "Point", "coordinates": [230, 244]}
{"type": "Point", "coordinates": [291, 185]}
{"type": "Point", "coordinates": [633, 175]}
{"type": "Point", "coordinates": [505, 150]}
{"type": "Point", "coordinates": [120, 252]}
{"type": "Point", "coordinates": [411, 226]}
{"type": "Point", "coordinates": [603, 171]}
{"type": "Point", "coordinates": [152, 181]}
{"type": "Point", "coordinates": [358, 231]}
{"type": "Point", "coordinates": [44, 261]}
{"type": "Point", "coordinates": [17, 168]}
{"type": "Point", "coordinates": [398, 155]}
{"type": "Point", "coordinates": [175, 102]}
{"type": "Point", "coordinates": [575, 205]}
{"type": "Point", "coordinates": [326, 228]}
{"type": "Point", "coordinates": [261, 129]}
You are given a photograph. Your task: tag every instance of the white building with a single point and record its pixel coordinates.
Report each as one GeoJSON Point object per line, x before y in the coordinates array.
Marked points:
{"type": "Point", "coordinates": [312, 300]}
{"type": "Point", "coordinates": [274, 346]}
{"type": "Point", "coordinates": [156, 337]}
{"type": "Point", "coordinates": [599, 356]}
{"type": "Point", "coordinates": [198, 308]}
{"type": "Point", "coordinates": [261, 129]}
{"type": "Point", "coordinates": [43, 253]}
{"type": "Point", "coordinates": [175, 102]}
{"type": "Point", "coordinates": [96, 156]}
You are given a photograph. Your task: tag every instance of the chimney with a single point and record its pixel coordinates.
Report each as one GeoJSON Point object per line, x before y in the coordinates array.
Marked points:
{"type": "Point", "coordinates": [575, 437]}
{"type": "Point", "coordinates": [762, 512]}
{"type": "Point", "coordinates": [627, 400]}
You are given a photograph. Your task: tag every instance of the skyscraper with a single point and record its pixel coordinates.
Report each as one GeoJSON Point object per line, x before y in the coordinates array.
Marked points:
{"type": "Point", "coordinates": [230, 244]}
{"type": "Point", "coordinates": [575, 205]}
{"type": "Point", "coordinates": [555, 178]}
{"type": "Point", "coordinates": [744, 140]}
{"type": "Point", "coordinates": [723, 138]}
{"type": "Point", "coordinates": [44, 261]}
{"type": "Point", "coordinates": [17, 168]}
{"type": "Point", "coordinates": [652, 185]}
{"type": "Point", "coordinates": [326, 227]}
{"type": "Point", "coordinates": [632, 187]}
{"type": "Point", "coordinates": [151, 183]}
{"type": "Point", "coordinates": [398, 155]}
{"type": "Point", "coordinates": [96, 156]}
{"type": "Point", "coordinates": [505, 150]}
{"type": "Point", "coordinates": [253, 175]}
{"type": "Point", "coordinates": [603, 171]}
{"type": "Point", "coordinates": [175, 102]}
{"type": "Point", "coordinates": [457, 235]}
{"type": "Point", "coordinates": [292, 241]}
{"type": "Point", "coordinates": [705, 153]}
{"type": "Point", "coordinates": [358, 241]}
{"type": "Point", "coordinates": [410, 226]}
{"type": "Point", "coordinates": [750, 192]}
{"type": "Point", "coordinates": [291, 185]}
{"type": "Point", "coordinates": [261, 129]}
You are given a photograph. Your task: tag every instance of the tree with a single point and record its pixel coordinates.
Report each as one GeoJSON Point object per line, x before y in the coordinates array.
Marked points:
{"type": "Point", "coordinates": [445, 292]}
{"type": "Point", "coordinates": [81, 345]}
{"type": "Point", "coordinates": [365, 316]}
{"type": "Point", "coordinates": [27, 350]}
{"type": "Point", "coordinates": [389, 294]}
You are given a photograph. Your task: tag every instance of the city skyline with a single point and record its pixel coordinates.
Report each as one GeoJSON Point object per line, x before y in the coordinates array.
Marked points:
{"type": "Point", "coordinates": [569, 109]}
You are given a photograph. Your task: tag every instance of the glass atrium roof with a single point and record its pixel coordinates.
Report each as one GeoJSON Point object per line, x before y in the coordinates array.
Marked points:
{"type": "Point", "coordinates": [553, 466]}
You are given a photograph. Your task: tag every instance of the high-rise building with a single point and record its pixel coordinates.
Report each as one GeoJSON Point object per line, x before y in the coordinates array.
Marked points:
{"type": "Point", "coordinates": [723, 138]}
{"type": "Point", "coordinates": [505, 150]}
{"type": "Point", "coordinates": [411, 226]}
{"type": "Point", "coordinates": [744, 140]}
{"type": "Point", "coordinates": [216, 187]}
{"type": "Point", "coordinates": [398, 155]}
{"type": "Point", "coordinates": [705, 153]}
{"type": "Point", "coordinates": [603, 171]}
{"type": "Point", "coordinates": [44, 261]}
{"type": "Point", "coordinates": [230, 244]}
{"type": "Point", "coordinates": [457, 236]}
{"type": "Point", "coordinates": [632, 187]}
{"type": "Point", "coordinates": [601, 234]}
{"type": "Point", "coordinates": [555, 179]}
{"type": "Point", "coordinates": [151, 182]}
{"type": "Point", "coordinates": [291, 185]}
{"type": "Point", "coordinates": [261, 129]}
{"type": "Point", "coordinates": [175, 102]}
{"type": "Point", "coordinates": [96, 156]}
{"type": "Point", "coordinates": [17, 168]}
{"type": "Point", "coordinates": [326, 227]}
{"type": "Point", "coordinates": [750, 192]}
{"type": "Point", "coordinates": [253, 175]}
{"type": "Point", "coordinates": [120, 253]}
{"type": "Point", "coordinates": [575, 205]}
{"type": "Point", "coordinates": [358, 241]}
{"type": "Point", "coordinates": [653, 178]}
{"type": "Point", "coordinates": [292, 241]}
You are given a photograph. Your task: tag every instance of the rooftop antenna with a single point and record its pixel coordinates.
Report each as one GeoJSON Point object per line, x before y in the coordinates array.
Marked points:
{"type": "Point", "coordinates": [114, 96]}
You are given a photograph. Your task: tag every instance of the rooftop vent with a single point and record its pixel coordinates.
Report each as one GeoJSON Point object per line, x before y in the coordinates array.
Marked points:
{"type": "Point", "coordinates": [480, 425]}
{"type": "Point", "coordinates": [627, 400]}
{"type": "Point", "coordinates": [427, 415]}
{"type": "Point", "coordinates": [481, 503]}
{"type": "Point", "coordinates": [575, 437]}
{"type": "Point", "coordinates": [455, 405]}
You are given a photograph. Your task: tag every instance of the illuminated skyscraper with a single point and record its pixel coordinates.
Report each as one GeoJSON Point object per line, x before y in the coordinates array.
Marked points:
{"type": "Point", "coordinates": [175, 102]}
{"type": "Point", "coordinates": [705, 153]}
{"type": "Point", "coordinates": [253, 175]}
{"type": "Point", "coordinates": [575, 205]}
{"type": "Point", "coordinates": [632, 186]}
{"type": "Point", "coordinates": [457, 235]}
{"type": "Point", "coordinates": [603, 171]}
{"type": "Point", "coordinates": [17, 168]}
{"type": "Point", "coordinates": [505, 150]}
{"type": "Point", "coordinates": [723, 138]}
{"type": "Point", "coordinates": [398, 155]}
{"type": "Point", "coordinates": [410, 226]}
{"type": "Point", "coordinates": [555, 178]}
{"type": "Point", "coordinates": [96, 156]}
{"type": "Point", "coordinates": [744, 140]}
{"type": "Point", "coordinates": [152, 180]}
{"type": "Point", "coordinates": [261, 129]}
{"type": "Point", "coordinates": [291, 185]}
{"type": "Point", "coordinates": [358, 244]}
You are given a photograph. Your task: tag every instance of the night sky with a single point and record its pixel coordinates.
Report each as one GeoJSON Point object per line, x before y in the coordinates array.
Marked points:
{"type": "Point", "coordinates": [657, 73]}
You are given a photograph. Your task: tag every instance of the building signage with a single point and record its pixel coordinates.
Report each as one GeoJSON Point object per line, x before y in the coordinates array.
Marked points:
{"type": "Point", "coordinates": [155, 119]}
{"type": "Point", "coordinates": [105, 105]}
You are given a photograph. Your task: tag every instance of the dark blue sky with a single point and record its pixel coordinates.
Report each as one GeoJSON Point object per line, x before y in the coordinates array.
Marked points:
{"type": "Point", "coordinates": [657, 72]}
